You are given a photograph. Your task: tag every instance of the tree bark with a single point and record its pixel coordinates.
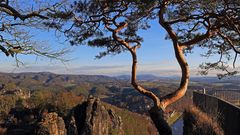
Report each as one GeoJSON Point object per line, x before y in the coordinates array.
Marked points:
{"type": "Point", "coordinates": [157, 116]}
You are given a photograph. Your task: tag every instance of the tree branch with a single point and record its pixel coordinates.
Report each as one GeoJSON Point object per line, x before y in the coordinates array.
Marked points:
{"type": "Point", "coordinates": [132, 50]}
{"type": "Point", "coordinates": [232, 46]}
{"type": "Point", "coordinates": [13, 12]}
{"type": "Point", "coordinates": [196, 39]}
{"type": "Point", "coordinates": [180, 92]}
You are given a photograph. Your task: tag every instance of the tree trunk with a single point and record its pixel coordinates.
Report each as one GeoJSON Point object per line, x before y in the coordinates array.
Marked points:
{"type": "Point", "coordinates": [156, 112]}
{"type": "Point", "coordinates": [157, 116]}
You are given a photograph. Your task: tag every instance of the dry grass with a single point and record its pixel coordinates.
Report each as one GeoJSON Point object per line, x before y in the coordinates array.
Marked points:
{"type": "Point", "coordinates": [197, 122]}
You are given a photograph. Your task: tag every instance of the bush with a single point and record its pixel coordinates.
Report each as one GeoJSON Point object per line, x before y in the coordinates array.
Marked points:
{"type": "Point", "coordinates": [6, 103]}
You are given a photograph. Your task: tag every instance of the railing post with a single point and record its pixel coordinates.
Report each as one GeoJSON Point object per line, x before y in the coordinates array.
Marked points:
{"type": "Point", "coordinates": [204, 91]}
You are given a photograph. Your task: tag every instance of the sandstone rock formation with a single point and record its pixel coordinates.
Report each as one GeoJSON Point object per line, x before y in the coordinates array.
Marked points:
{"type": "Point", "coordinates": [89, 118]}
{"type": "Point", "coordinates": [92, 118]}
{"type": "Point", "coordinates": [51, 124]}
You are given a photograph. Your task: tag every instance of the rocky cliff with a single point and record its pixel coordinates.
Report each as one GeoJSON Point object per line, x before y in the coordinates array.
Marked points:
{"type": "Point", "coordinates": [88, 118]}
{"type": "Point", "coordinates": [51, 124]}
{"type": "Point", "coordinates": [92, 118]}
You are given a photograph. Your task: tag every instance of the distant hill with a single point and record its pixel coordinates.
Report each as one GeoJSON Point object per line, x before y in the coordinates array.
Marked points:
{"type": "Point", "coordinates": [47, 77]}
{"type": "Point", "coordinates": [114, 90]}
{"type": "Point", "coordinates": [46, 80]}
{"type": "Point", "coordinates": [147, 77]}
{"type": "Point", "coordinates": [140, 77]}
{"type": "Point", "coordinates": [215, 79]}
{"type": "Point", "coordinates": [150, 77]}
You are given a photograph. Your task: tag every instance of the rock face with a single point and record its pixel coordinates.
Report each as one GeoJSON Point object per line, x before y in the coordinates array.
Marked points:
{"type": "Point", "coordinates": [88, 118]}
{"type": "Point", "coordinates": [92, 118]}
{"type": "Point", "coordinates": [51, 124]}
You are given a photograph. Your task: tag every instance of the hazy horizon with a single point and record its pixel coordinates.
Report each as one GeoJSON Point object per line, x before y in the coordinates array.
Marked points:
{"type": "Point", "coordinates": [102, 70]}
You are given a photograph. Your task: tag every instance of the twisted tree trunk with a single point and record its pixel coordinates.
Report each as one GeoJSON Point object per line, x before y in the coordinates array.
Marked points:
{"type": "Point", "coordinates": [157, 111]}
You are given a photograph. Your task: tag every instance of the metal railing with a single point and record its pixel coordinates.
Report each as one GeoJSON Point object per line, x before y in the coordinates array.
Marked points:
{"type": "Point", "coordinates": [232, 96]}
{"type": "Point", "coordinates": [227, 114]}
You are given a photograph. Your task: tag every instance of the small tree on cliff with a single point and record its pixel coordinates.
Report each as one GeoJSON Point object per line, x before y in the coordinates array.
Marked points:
{"type": "Point", "coordinates": [18, 20]}
{"type": "Point", "coordinates": [114, 24]}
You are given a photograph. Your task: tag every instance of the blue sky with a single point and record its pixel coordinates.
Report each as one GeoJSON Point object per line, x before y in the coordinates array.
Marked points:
{"type": "Point", "coordinates": [156, 56]}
